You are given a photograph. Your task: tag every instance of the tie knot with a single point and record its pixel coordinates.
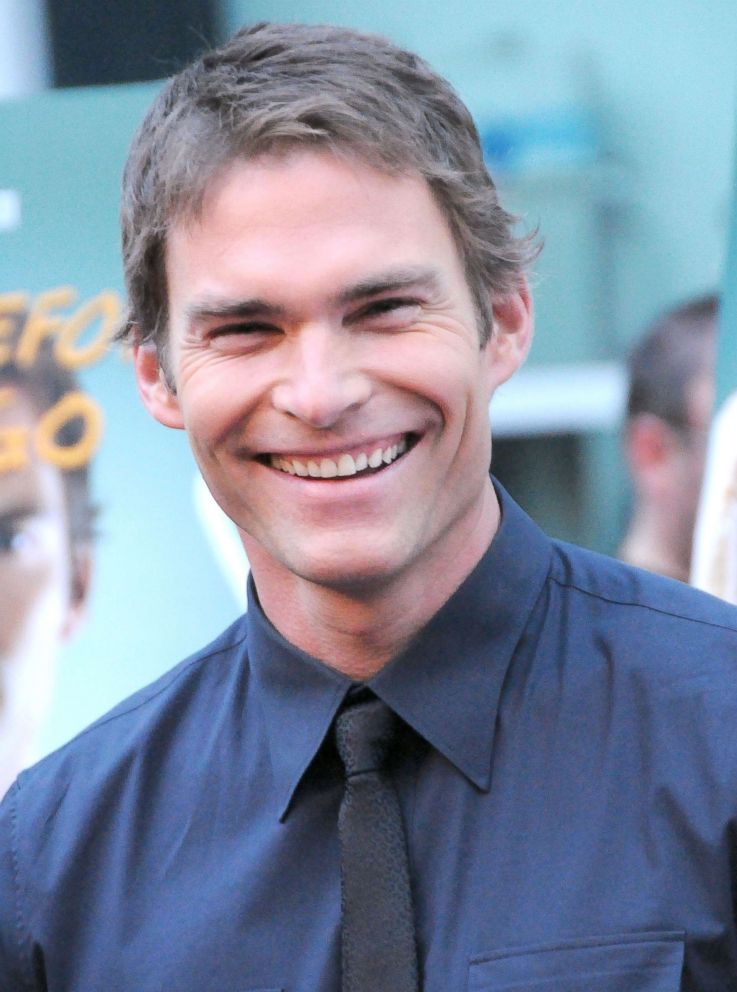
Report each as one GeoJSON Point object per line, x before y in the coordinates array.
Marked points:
{"type": "Point", "coordinates": [364, 734]}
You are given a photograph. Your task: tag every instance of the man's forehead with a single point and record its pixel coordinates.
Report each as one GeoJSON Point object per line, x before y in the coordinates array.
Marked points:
{"type": "Point", "coordinates": [17, 407]}
{"type": "Point", "coordinates": [350, 217]}
{"type": "Point", "coordinates": [296, 158]}
{"type": "Point", "coordinates": [700, 398]}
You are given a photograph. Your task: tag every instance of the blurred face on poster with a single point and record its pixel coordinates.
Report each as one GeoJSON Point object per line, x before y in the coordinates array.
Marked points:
{"type": "Point", "coordinates": [44, 577]}
{"type": "Point", "coordinates": [49, 431]}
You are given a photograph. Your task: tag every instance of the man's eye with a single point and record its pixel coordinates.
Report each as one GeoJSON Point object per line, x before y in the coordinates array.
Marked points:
{"type": "Point", "coordinates": [251, 327]}
{"type": "Point", "coordinates": [13, 538]}
{"type": "Point", "coordinates": [390, 306]}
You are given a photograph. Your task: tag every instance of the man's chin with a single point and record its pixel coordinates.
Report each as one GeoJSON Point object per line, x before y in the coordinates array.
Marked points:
{"type": "Point", "coordinates": [357, 579]}
{"type": "Point", "coordinates": [344, 569]}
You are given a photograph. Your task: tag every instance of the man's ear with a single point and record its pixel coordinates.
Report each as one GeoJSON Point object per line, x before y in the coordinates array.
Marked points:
{"type": "Point", "coordinates": [650, 444]}
{"type": "Point", "coordinates": [511, 335]}
{"type": "Point", "coordinates": [159, 398]}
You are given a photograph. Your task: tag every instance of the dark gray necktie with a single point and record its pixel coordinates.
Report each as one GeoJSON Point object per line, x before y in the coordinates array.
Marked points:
{"type": "Point", "coordinates": [379, 951]}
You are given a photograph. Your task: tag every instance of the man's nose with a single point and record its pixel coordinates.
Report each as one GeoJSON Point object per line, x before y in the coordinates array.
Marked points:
{"type": "Point", "coordinates": [321, 380]}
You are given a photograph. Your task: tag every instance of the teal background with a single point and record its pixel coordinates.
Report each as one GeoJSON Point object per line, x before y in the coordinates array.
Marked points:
{"type": "Point", "coordinates": [634, 213]}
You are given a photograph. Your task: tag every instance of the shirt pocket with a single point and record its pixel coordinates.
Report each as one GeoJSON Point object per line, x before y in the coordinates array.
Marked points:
{"type": "Point", "coordinates": [640, 962]}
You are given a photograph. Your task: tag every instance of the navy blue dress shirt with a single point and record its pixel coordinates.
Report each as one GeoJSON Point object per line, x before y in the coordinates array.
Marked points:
{"type": "Point", "coordinates": [568, 782]}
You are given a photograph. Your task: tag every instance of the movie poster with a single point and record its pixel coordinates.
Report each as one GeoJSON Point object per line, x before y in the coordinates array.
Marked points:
{"type": "Point", "coordinates": [102, 590]}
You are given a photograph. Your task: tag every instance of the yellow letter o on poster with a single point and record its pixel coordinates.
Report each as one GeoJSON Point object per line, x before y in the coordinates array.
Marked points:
{"type": "Point", "coordinates": [68, 408]}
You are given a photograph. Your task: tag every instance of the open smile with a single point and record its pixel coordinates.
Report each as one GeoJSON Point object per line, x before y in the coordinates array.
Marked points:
{"type": "Point", "coordinates": [342, 465]}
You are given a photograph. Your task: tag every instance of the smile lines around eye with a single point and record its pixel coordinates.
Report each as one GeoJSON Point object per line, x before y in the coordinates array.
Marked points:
{"type": "Point", "coordinates": [343, 465]}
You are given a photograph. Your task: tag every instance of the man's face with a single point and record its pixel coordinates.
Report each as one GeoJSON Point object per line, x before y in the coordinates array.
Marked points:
{"type": "Point", "coordinates": [690, 452]}
{"type": "Point", "coordinates": [328, 370]}
{"type": "Point", "coordinates": [35, 605]}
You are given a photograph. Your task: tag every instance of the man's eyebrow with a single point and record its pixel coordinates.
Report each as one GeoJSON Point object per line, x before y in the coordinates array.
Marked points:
{"type": "Point", "coordinates": [210, 307]}
{"type": "Point", "coordinates": [392, 280]}
{"type": "Point", "coordinates": [19, 512]}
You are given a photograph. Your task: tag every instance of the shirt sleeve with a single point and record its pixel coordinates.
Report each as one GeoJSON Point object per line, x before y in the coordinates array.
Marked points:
{"type": "Point", "coordinates": [13, 976]}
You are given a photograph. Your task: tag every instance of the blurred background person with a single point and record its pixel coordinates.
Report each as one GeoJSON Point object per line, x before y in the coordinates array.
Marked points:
{"type": "Point", "coordinates": [669, 403]}
{"type": "Point", "coordinates": [46, 520]}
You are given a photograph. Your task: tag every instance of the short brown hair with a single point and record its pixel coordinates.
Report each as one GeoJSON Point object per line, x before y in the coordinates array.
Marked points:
{"type": "Point", "coordinates": [678, 347]}
{"type": "Point", "coordinates": [273, 87]}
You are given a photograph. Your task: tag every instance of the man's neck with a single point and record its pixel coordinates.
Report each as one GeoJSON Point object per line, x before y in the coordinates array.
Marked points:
{"type": "Point", "coordinates": [651, 543]}
{"type": "Point", "coordinates": [358, 630]}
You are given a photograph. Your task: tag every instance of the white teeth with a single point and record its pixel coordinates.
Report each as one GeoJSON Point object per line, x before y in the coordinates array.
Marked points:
{"type": "Point", "coordinates": [346, 465]}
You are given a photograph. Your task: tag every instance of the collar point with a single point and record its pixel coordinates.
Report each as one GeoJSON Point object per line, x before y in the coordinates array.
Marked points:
{"type": "Point", "coordinates": [482, 782]}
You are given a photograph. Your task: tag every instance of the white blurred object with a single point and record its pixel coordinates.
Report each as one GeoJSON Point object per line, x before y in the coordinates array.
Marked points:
{"type": "Point", "coordinates": [25, 65]}
{"type": "Point", "coordinates": [10, 209]}
{"type": "Point", "coordinates": [714, 562]}
{"type": "Point", "coordinates": [222, 536]}
{"type": "Point", "coordinates": [560, 399]}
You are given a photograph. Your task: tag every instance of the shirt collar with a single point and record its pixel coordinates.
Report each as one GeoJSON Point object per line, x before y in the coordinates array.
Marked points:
{"type": "Point", "coordinates": [446, 684]}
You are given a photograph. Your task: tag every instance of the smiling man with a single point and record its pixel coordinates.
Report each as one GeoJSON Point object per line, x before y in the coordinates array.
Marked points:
{"type": "Point", "coordinates": [328, 367]}
{"type": "Point", "coordinates": [440, 751]}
